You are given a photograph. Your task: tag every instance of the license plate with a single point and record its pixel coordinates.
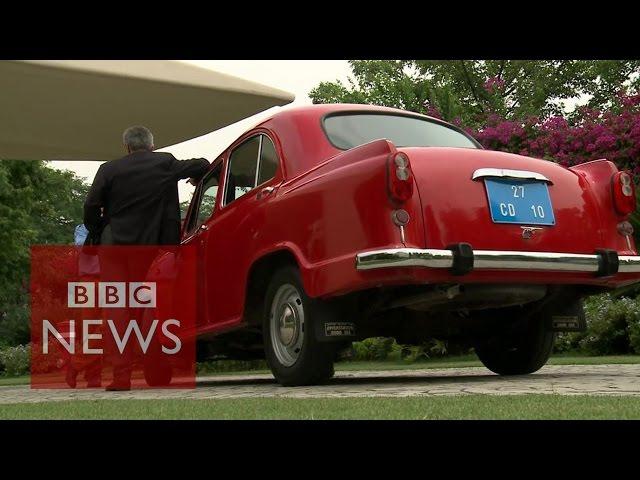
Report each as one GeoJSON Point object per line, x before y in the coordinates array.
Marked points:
{"type": "Point", "coordinates": [519, 201]}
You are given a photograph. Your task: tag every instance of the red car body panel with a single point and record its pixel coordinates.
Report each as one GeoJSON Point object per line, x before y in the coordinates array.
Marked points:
{"type": "Point", "coordinates": [328, 205]}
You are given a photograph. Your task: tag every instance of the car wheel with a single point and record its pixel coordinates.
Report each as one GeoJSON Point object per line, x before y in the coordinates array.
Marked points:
{"type": "Point", "coordinates": [518, 351]}
{"type": "Point", "coordinates": [292, 351]}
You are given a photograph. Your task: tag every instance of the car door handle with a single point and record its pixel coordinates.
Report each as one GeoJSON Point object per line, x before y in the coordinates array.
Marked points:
{"type": "Point", "coordinates": [265, 192]}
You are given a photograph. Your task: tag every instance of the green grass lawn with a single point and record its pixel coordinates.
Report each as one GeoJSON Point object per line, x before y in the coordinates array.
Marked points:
{"type": "Point", "coordinates": [449, 407]}
{"type": "Point", "coordinates": [8, 381]}
{"type": "Point", "coordinates": [517, 407]}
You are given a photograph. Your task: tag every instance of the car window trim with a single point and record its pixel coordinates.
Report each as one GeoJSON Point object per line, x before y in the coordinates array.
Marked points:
{"type": "Point", "coordinates": [228, 171]}
{"type": "Point", "coordinates": [278, 163]}
{"type": "Point", "coordinates": [255, 180]}
{"type": "Point", "coordinates": [199, 192]}
{"type": "Point", "coordinates": [258, 163]}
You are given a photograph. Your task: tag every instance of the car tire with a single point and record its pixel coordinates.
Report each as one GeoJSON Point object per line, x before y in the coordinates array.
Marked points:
{"type": "Point", "coordinates": [521, 350]}
{"type": "Point", "coordinates": [293, 352]}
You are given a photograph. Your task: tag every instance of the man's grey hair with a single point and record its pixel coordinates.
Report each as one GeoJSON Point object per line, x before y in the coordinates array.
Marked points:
{"type": "Point", "coordinates": [138, 138]}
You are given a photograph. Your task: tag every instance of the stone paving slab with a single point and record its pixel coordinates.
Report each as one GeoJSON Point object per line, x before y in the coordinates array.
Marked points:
{"type": "Point", "coordinates": [551, 379]}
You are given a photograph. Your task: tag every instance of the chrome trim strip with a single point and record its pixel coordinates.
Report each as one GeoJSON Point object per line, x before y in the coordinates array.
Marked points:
{"type": "Point", "coordinates": [504, 260]}
{"type": "Point", "coordinates": [628, 264]}
{"type": "Point", "coordinates": [504, 172]}
{"type": "Point", "coordinates": [255, 181]}
{"type": "Point", "coordinates": [489, 260]}
{"type": "Point", "coordinates": [404, 257]}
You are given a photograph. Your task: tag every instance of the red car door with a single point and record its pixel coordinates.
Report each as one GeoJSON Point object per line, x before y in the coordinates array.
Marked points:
{"type": "Point", "coordinates": [200, 218]}
{"type": "Point", "coordinates": [234, 232]}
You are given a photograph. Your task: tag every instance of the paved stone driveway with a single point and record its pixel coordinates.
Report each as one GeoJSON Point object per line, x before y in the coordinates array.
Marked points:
{"type": "Point", "coordinates": [565, 380]}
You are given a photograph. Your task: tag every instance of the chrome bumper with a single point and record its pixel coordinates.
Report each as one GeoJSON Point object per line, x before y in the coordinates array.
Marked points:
{"type": "Point", "coordinates": [598, 263]}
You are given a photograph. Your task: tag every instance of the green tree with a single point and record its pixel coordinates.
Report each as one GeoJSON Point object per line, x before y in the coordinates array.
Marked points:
{"type": "Point", "coordinates": [471, 90]}
{"type": "Point", "coordinates": [38, 205]}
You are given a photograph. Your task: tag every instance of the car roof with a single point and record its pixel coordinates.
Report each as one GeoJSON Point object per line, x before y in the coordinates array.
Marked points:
{"type": "Point", "coordinates": [302, 152]}
{"type": "Point", "coordinates": [319, 110]}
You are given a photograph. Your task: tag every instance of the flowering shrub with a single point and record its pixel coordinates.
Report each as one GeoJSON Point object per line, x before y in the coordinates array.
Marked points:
{"type": "Point", "coordinates": [375, 348]}
{"type": "Point", "coordinates": [634, 334]}
{"type": "Point", "coordinates": [613, 327]}
{"type": "Point", "coordinates": [14, 361]}
{"type": "Point", "coordinates": [387, 348]}
{"type": "Point", "coordinates": [589, 135]}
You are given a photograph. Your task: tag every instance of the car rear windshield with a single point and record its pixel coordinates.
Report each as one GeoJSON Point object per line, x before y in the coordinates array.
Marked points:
{"type": "Point", "coordinates": [350, 130]}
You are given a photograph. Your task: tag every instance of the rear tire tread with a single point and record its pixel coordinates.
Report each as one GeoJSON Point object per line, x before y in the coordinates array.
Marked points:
{"type": "Point", "coordinates": [525, 352]}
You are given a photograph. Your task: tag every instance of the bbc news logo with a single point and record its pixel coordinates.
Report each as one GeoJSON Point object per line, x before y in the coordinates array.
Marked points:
{"type": "Point", "coordinates": [111, 294]}
{"type": "Point", "coordinates": [135, 323]}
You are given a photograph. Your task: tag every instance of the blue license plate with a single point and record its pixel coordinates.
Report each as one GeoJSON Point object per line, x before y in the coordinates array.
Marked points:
{"type": "Point", "coordinates": [519, 201]}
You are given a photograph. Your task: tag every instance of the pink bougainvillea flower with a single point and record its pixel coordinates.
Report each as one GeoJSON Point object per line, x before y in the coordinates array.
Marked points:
{"type": "Point", "coordinates": [591, 134]}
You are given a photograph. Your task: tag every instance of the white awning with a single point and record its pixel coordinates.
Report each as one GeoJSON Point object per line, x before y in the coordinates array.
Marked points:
{"type": "Point", "coordinates": [78, 109]}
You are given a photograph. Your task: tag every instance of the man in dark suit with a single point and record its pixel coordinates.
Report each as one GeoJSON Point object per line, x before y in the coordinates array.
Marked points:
{"type": "Point", "coordinates": [139, 194]}
{"type": "Point", "coordinates": [134, 201]}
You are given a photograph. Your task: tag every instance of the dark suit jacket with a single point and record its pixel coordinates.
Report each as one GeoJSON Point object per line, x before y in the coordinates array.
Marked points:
{"type": "Point", "coordinates": [139, 193]}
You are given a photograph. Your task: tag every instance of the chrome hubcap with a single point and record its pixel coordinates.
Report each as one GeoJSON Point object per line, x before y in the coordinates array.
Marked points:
{"type": "Point", "coordinates": [287, 324]}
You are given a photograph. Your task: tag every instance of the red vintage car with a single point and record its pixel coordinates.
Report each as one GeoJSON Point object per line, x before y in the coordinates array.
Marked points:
{"type": "Point", "coordinates": [330, 223]}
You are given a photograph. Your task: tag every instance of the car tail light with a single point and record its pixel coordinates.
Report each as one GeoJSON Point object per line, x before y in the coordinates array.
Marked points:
{"type": "Point", "coordinates": [399, 177]}
{"type": "Point", "coordinates": [624, 193]}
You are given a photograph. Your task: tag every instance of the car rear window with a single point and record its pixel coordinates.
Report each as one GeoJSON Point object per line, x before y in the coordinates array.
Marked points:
{"type": "Point", "coordinates": [346, 131]}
